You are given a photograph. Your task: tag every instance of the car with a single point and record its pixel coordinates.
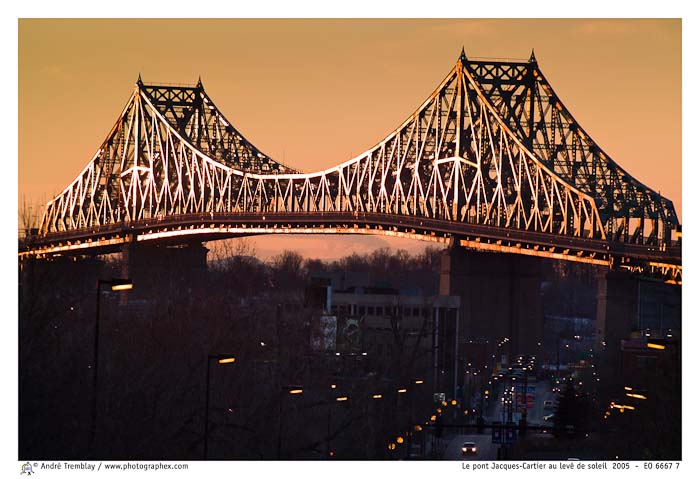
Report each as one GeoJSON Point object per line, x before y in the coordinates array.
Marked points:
{"type": "Point", "coordinates": [469, 448]}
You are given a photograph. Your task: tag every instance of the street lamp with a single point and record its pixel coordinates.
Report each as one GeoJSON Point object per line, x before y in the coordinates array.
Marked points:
{"type": "Point", "coordinates": [220, 359]}
{"type": "Point", "coordinates": [116, 284]}
{"type": "Point", "coordinates": [292, 390]}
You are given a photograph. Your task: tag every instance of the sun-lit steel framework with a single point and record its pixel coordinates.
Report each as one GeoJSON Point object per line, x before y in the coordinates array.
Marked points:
{"type": "Point", "coordinates": [631, 212]}
{"type": "Point", "coordinates": [492, 157]}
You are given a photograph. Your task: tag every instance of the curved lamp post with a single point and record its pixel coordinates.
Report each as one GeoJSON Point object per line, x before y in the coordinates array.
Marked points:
{"type": "Point", "coordinates": [116, 284]}
{"type": "Point", "coordinates": [220, 359]}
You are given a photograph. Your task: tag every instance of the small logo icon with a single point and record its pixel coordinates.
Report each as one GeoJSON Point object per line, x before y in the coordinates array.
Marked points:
{"type": "Point", "coordinates": [26, 469]}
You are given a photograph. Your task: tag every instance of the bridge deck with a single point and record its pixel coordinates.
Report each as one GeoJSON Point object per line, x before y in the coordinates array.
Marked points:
{"type": "Point", "coordinates": [205, 227]}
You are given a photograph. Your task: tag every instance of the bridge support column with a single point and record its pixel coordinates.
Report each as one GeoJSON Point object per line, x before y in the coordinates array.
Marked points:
{"type": "Point", "coordinates": [155, 268]}
{"type": "Point", "coordinates": [500, 298]}
{"type": "Point", "coordinates": [617, 309]}
{"type": "Point", "coordinates": [632, 307]}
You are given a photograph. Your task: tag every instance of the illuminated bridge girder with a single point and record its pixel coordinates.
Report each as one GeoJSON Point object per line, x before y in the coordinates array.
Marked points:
{"type": "Point", "coordinates": [454, 159]}
{"type": "Point", "coordinates": [630, 211]}
{"type": "Point", "coordinates": [472, 156]}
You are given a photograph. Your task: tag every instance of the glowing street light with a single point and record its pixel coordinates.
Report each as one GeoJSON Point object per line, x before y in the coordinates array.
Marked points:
{"type": "Point", "coordinates": [220, 359]}
{"type": "Point", "coordinates": [622, 407]}
{"type": "Point", "coordinates": [122, 284]}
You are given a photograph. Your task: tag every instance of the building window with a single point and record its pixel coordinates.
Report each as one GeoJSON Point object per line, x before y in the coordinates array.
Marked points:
{"type": "Point", "coordinates": [362, 310]}
{"type": "Point", "coordinates": [370, 310]}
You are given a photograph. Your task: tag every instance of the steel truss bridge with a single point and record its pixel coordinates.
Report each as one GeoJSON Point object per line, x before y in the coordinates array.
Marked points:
{"type": "Point", "coordinates": [492, 160]}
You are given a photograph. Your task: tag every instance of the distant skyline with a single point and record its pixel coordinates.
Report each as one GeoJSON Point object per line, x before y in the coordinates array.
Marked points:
{"type": "Point", "coordinates": [313, 93]}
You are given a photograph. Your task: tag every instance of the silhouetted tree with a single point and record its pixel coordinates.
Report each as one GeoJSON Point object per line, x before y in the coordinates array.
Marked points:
{"type": "Point", "coordinates": [572, 412]}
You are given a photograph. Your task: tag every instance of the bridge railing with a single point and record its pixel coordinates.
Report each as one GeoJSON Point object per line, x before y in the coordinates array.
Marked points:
{"type": "Point", "coordinates": [426, 226]}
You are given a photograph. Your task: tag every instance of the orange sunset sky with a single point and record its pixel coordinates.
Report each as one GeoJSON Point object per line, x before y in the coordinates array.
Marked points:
{"type": "Point", "coordinates": [313, 93]}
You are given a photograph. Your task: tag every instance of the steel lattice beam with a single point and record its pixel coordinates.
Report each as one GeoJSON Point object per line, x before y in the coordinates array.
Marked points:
{"type": "Point", "coordinates": [631, 212]}
{"type": "Point", "coordinates": [491, 147]}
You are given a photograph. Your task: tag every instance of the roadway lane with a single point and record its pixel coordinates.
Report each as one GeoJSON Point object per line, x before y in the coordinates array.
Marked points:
{"type": "Point", "coordinates": [543, 391]}
{"type": "Point", "coordinates": [485, 450]}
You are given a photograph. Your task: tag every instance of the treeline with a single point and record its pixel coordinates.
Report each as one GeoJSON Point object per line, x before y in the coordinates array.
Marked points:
{"type": "Point", "coordinates": [154, 344]}
{"type": "Point", "coordinates": [236, 266]}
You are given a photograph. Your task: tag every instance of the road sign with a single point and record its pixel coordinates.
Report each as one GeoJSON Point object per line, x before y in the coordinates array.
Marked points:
{"type": "Point", "coordinates": [501, 434]}
{"type": "Point", "coordinates": [438, 397]}
{"type": "Point", "coordinates": [529, 399]}
{"type": "Point", "coordinates": [497, 434]}
{"type": "Point", "coordinates": [511, 435]}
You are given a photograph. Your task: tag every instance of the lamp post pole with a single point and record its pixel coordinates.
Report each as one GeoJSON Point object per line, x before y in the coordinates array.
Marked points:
{"type": "Point", "coordinates": [117, 284]}
{"type": "Point", "coordinates": [206, 412]}
{"type": "Point", "coordinates": [284, 390]}
{"type": "Point", "coordinates": [95, 357]}
{"type": "Point", "coordinates": [221, 359]}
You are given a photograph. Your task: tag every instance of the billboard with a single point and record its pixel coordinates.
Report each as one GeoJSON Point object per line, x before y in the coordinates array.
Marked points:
{"type": "Point", "coordinates": [323, 334]}
{"type": "Point", "coordinates": [350, 335]}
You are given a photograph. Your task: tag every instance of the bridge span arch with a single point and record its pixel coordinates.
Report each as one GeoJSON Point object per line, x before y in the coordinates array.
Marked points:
{"type": "Point", "coordinates": [483, 162]}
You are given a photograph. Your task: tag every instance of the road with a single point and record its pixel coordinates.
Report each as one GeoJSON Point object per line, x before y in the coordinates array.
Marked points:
{"type": "Point", "coordinates": [543, 391]}
{"type": "Point", "coordinates": [485, 450]}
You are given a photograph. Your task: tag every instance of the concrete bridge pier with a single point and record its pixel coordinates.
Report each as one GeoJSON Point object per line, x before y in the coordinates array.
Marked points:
{"type": "Point", "coordinates": [500, 298]}
{"type": "Point", "coordinates": [631, 307]}
{"type": "Point", "coordinates": [157, 269]}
